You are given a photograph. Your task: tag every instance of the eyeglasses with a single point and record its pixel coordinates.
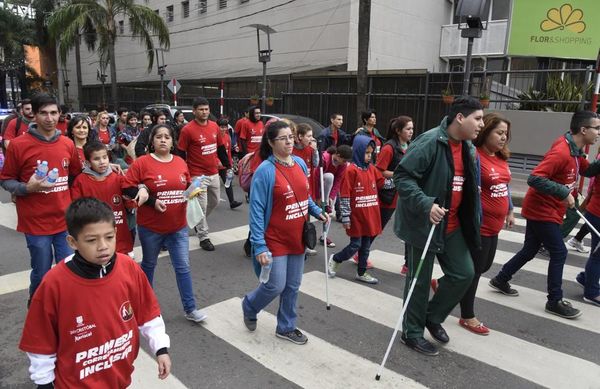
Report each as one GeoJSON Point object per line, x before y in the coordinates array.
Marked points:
{"type": "Point", "coordinates": [284, 138]}
{"type": "Point", "coordinates": [597, 128]}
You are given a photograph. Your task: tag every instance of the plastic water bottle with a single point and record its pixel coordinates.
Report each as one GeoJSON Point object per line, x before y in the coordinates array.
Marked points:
{"type": "Point", "coordinates": [53, 176]}
{"type": "Point", "coordinates": [196, 183]}
{"type": "Point", "coordinates": [42, 170]}
{"type": "Point", "coordinates": [229, 178]}
{"type": "Point", "coordinates": [265, 271]}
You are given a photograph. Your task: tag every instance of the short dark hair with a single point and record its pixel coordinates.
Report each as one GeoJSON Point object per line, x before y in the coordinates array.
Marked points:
{"type": "Point", "coordinates": [25, 101]}
{"type": "Point", "coordinates": [366, 115]}
{"type": "Point", "coordinates": [75, 120]}
{"type": "Point", "coordinates": [396, 124]}
{"type": "Point", "coordinates": [344, 151]}
{"type": "Point", "coordinates": [121, 110]}
{"type": "Point", "coordinates": [198, 101]}
{"type": "Point", "coordinates": [222, 122]}
{"type": "Point", "coordinates": [92, 147]}
{"type": "Point", "coordinates": [131, 115]}
{"type": "Point", "coordinates": [153, 132]}
{"type": "Point", "coordinates": [87, 210]}
{"type": "Point", "coordinates": [41, 100]}
{"type": "Point", "coordinates": [464, 105]}
{"type": "Point", "coordinates": [271, 132]}
{"type": "Point", "coordinates": [158, 113]}
{"type": "Point", "coordinates": [581, 119]}
{"type": "Point", "coordinates": [303, 128]}
{"type": "Point", "coordinates": [334, 115]}
{"type": "Point", "coordinates": [63, 108]}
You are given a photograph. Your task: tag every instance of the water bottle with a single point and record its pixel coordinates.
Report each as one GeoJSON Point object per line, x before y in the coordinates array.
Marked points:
{"type": "Point", "coordinates": [53, 176]}
{"type": "Point", "coordinates": [196, 183]}
{"type": "Point", "coordinates": [266, 269]}
{"type": "Point", "coordinates": [229, 178]}
{"type": "Point", "coordinates": [42, 170]}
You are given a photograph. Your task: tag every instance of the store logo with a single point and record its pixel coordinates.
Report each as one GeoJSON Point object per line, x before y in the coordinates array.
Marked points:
{"type": "Point", "coordinates": [564, 18]}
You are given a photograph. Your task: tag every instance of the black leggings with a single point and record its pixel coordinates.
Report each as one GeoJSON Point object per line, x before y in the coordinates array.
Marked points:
{"type": "Point", "coordinates": [228, 191]}
{"type": "Point", "coordinates": [583, 231]}
{"type": "Point", "coordinates": [482, 261]}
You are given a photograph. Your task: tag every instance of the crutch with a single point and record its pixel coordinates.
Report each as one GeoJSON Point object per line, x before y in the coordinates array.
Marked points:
{"type": "Point", "coordinates": [406, 301]}
{"type": "Point", "coordinates": [590, 226]}
{"type": "Point", "coordinates": [323, 203]}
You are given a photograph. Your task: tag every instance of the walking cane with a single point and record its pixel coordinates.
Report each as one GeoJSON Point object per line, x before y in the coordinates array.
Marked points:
{"type": "Point", "coordinates": [323, 203]}
{"type": "Point", "coordinates": [590, 226]}
{"type": "Point", "coordinates": [406, 301]}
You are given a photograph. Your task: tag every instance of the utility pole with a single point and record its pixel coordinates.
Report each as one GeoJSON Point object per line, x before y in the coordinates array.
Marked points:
{"type": "Point", "coordinates": [264, 56]}
{"type": "Point", "coordinates": [362, 72]}
{"type": "Point", "coordinates": [161, 72]}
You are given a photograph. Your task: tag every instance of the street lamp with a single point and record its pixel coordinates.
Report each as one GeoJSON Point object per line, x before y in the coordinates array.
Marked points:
{"type": "Point", "coordinates": [101, 76]}
{"type": "Point", "coordinates": [472, 14]}
{"type": "Point", "coordinates": [264, 56]}
{"type": "Point", "coordinates": [161, 72]}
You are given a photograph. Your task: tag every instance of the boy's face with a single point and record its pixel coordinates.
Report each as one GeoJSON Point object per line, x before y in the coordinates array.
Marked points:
{"type": "Point", "coordinates": [99, 161]}
{"type": "Point", "coordinates": [470, 125]}
{"type": "Point", "coordinates": [96, 242]}
{"type": "Point", "coordinates": [368, 154]}
{"type": "Point", "coordinates": [337, 160]}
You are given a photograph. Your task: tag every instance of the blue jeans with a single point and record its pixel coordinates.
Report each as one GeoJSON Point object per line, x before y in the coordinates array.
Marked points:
{"type": "Point", "coordinates": [178, 245]}
{"type": "Point", "coordinates": [40, 249]}
{"type": "Point", "coordinates": [361, 245]}
{"type": "Point", "coordinates": [284, 281]}
{"type": "Point", "coordinates": [536, 234]}
{"type": "Point", "coordinates": [591, 277]}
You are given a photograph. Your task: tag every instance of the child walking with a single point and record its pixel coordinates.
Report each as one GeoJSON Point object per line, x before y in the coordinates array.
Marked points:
{"type": "Point", "coordinates": [359, 205]}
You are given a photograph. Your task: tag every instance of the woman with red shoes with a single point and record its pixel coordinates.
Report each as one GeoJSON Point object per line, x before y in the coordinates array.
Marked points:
{"type": "Point", "coordinates": [496, 205]}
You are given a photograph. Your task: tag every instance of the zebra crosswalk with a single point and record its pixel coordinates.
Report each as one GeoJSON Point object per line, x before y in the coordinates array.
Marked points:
{"type": "Point", "coordinates": [526, 347]}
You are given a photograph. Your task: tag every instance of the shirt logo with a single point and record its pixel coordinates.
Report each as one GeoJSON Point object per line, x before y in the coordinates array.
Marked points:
{"type": "Point", "coordinates": [65, 163]}
{"type": "Point", "coordinates": [182, 179]}
{"type": "Point", "coordinates": [79, 321]}
{"type": "Point", "coordinates": [126, 311]}
{"type": "Point", "coordinates": [116, 199]}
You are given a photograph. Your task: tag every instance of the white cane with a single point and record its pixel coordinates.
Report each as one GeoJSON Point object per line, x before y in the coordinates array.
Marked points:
{"type": "Point", "coordinates": [406, 301]}
{"type": "Point", "coordinates": [590, 226]}
{"type": "Point", "coordinates": [325, 241]}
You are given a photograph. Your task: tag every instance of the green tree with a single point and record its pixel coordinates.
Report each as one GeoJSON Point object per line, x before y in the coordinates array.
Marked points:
{"type": "Point", "coordinates": [68, 22]}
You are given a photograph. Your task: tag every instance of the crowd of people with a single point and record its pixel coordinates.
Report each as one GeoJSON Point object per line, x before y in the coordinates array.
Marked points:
{"type": "Point", "coordinates": [85, 190]}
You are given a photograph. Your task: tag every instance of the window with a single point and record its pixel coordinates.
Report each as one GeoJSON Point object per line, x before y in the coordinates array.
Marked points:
{"type": "Point", "coordinates": [185, 8]}
{"type": "Point", "coordinates": [202, 6]}
{"type": "Point", "coordinates": [500, 9]}
{"type": "Point", "coordinates": [121, 27]}
{"type": "Point", "coordinates": [169, 15]}
{"type": "Point", "coordinates": [222, 4]}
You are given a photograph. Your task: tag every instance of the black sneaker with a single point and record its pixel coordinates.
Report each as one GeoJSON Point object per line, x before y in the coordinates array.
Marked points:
{"type": "Point", "coordinates": [503, 287]}
{"type": "Point", "coordinates": [438, 332]}
{"type": "Point", "coordinates": [247, 248]}
{"type": "Point", "coordinates": [294, 336]}
{"type": "Point", "coordinates": [207, 245]}
{"type": "Point", "coordinates": [420, 345]}
{"type": "Point", "coordinates": [235, 204]}
{"type": "Point", "coordinates": [593, 301]}
{"type": "Point", "coordinates": [250, 323]}
{"type": "Point", "coordinates": [562, 308]}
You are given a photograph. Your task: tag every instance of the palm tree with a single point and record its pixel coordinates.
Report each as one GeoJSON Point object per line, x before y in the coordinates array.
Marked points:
{"type": "Point", "coordinates": [67, 23]}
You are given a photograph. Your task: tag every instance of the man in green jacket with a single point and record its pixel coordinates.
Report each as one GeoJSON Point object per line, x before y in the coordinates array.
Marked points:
{"type": "Point", "coordinates": [437, 183]}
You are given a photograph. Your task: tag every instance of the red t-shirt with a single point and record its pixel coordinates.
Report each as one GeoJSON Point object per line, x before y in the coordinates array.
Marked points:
{"type": "Point", "coordinates": [104, 136]}
{"type": "Point", "coordinates": [361, 187]}
{"type": "Point", "coordinates": [239, 125]}
{"type": "Point", "coordinates": [166, 181]}
{"type": "Point", "coordinates": [41, 213]}
{"type": "Point", "coordinates": [91, 325]}
{"type": "Point", "coordinates": [200, 142]}
{"type": "Point", "coordinates": [457, 186]}
{"type": "Point", "coordinates": [109, 191]}
{"type": "Point", "coordinates": [227, 144]}
{"type": "Point", "coordinates": [62, 126]}
{"type": "Point", "coordinates": [290, 209]}
{"type": "Point", "coordinates": [384, 158]}
{"type": "Point", "coordinates": [561, 167]}
{"type": "Point", "coordinates": [81, 155]}
{"type": "Point", "coordinates": [252, 133]}
{"type": "Point", "coordinates": [495, 176]}
{"type": "Point", "coordinates": [11, 132]}
{"type": "Point", "coordinates": [306, 154]}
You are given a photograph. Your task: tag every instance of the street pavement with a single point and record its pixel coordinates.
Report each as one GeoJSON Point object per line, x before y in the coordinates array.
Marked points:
{"type": "Point", "coordinates": [527, 348]}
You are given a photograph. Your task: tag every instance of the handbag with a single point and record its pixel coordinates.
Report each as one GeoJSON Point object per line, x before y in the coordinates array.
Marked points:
{"type": "Point", "coordinates": [309, 231]}
{"type": "Point", "coordinates": [387, 192]}
{"type": "Point", "coordinates": [194, 213]}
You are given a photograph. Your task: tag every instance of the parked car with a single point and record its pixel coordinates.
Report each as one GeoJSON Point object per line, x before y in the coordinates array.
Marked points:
{"type": "Point", "coordinates": [315, 125]}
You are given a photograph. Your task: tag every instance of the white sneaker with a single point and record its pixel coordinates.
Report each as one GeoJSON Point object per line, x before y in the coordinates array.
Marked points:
{"type": "Point", "coordinates": [333, 266]}
{"type": "Point", "coordinates": [577, 245]}
{"type": "Point", "coordinates": [310, 252]}
{"type": "Point", "coordinates": [197, 315]}
{"type": "Point", "coordinates": [367, 278]}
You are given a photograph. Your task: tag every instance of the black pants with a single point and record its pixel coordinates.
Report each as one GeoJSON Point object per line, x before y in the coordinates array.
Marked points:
{"type": "Point", "coordinates": [482, 261]}
{"type": "Point", "coordinates": [583, 231]}
{"type": "Point", "coordinates": [228, 191]}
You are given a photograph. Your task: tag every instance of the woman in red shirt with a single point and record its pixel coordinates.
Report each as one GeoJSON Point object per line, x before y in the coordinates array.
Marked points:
{"type": "Point", "coordinates": [161, 179]}
{"type": "Point", "coordinates": [79, 132]}
{"type": "Point", "coordinates": [496, 205]}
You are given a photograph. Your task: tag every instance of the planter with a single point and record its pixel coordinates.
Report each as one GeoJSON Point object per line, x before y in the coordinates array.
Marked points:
{"type": "Point", "coordinates": [485, 102]}
{"type": "Point", "coordinates": [254, 100]}
{"type": "Point", "coordinates": [448, 99]}
{"type": "Point", "coordinates": [270, 101]}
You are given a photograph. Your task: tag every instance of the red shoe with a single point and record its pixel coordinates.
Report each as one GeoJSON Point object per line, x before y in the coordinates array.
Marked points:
{"type": "Point", "coordinates": [355, 260]}
{"type": "Point", "coordinates": [479, 329]}
{"type": "Point", "coordinates": [434, 285]}
{"type": "Point", "coordinates": [404, 270]}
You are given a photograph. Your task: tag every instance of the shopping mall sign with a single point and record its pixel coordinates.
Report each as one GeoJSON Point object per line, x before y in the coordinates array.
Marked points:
{"type": "Point", "coordinates": [555, 28]}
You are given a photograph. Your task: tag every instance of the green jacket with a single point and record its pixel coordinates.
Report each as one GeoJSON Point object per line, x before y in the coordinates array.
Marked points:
{"type": "Point", "coordinates": [425, 176]}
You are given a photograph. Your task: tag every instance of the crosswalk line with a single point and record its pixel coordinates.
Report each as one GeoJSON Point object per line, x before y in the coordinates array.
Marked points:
{"type": "Point", "coordinates": [8, 215]}
{"type": "Point", "coordinates": [318, 364]}
{"type": "Point", "coordinates": [528, 360]}
{"type": "Point", "coordinates": [529, 300]}
{"type": "Point", "coordinates": [145, 375]}
{"type": "Point", "coordinates": [17, 281]}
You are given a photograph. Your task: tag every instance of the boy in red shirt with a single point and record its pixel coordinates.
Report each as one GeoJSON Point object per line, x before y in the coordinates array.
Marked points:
{"type": "Point", "coordinates": [100, 182]}
{"type": "Point", "coordinates": [74, 343]}
{"type": "Point", "coordinates": [360, 208]}
{"type": "Point", "coordinates": [553, 188]}
{"type": "Point", "coordinates": [41, 204]}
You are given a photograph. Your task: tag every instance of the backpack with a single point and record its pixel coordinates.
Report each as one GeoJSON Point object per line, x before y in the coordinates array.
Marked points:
{"type": "Point", "coordinates": [245, 172]}
{"type": "Point", "coordinates": [5, 122]}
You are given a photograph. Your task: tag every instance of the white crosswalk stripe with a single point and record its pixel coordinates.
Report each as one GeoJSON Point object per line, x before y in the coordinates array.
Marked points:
{"type": "Point", "coordinates": [323, 364]}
